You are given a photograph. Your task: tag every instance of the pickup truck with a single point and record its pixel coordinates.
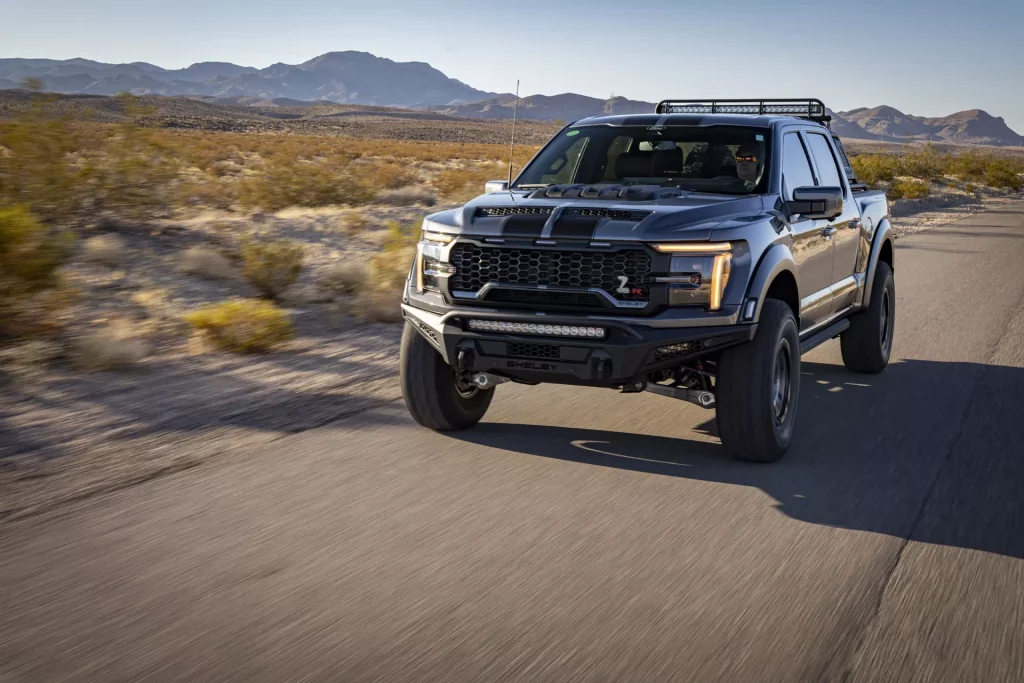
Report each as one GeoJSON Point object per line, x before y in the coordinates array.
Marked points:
{"type": "Point", "coordinates": [695, 252]}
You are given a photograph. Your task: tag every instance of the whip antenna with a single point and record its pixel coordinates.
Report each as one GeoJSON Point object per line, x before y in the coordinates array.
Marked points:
{"type": "Point", "coordinates": [512, 145]}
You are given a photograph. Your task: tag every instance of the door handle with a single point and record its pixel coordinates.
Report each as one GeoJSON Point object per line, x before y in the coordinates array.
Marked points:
{"type": "Point", "coordinates": [855, 224]}
{"type": "Point", "coordinates": [828, 232]}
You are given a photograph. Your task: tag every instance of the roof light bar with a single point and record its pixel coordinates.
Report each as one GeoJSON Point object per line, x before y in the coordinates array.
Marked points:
{"type": "Point", "coordinates": [809, 108]}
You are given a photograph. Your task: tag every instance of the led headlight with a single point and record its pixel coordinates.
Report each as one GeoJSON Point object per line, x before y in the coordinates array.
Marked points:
{"type": "Point", "coordinates": [438, 237]}
{"type": "Point", "coordinates": [699, 273]}
{"type": "Point", "coordinates": [579, 331]}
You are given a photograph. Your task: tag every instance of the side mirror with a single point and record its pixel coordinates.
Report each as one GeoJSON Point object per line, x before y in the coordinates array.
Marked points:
{"type": "Point", "coordinates": [817, 202]}
{"type": "Point", "coordinates": [495, 186]}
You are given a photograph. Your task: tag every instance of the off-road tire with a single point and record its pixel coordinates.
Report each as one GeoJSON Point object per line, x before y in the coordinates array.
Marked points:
{"type": "Point", "coordinates": [430, 390]}
{"type": "Point", "coordinates": [867, 342]}
{"type": "Point", "coordinates": [756, 415]}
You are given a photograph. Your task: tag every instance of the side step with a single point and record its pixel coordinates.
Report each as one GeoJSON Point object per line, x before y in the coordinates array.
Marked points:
{"type": "Point", "coordinates": [819, 338]}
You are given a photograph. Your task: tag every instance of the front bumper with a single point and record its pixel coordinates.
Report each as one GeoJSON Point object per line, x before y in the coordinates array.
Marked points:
{"type": "Point", "coordinates": [629, 350]}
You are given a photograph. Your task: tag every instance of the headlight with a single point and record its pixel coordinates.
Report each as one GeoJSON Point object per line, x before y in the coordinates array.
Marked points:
{"type": "Point", "coordinates": [699, 273]}
{"type": "Point", "coordinates": [438, 237]}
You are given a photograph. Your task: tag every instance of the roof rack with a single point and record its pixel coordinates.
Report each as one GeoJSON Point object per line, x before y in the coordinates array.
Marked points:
{"type": "Point", "coordinates": [803, 108]}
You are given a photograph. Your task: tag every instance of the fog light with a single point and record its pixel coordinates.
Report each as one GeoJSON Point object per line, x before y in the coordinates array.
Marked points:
{"type": "Point", "coordinates": [539, 329]}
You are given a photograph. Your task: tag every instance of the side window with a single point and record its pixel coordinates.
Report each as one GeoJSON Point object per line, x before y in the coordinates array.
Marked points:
{"type": "Point", "coordinates": [828, 171]}
{"type": "Point", "coordinates": [563, 170]}
{"type": "Point", "coordinates": [796, 169]}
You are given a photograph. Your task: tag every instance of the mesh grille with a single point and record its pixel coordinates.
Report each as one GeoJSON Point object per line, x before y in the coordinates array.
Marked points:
{"type": "Point", "coordinates": [614, 214]}
{"type": "Point", "coordinates": [545, 351]}
{"type": "Point", "coordinates": [499, 211]}
{"type": "Point", "coordinates": [476, 266]}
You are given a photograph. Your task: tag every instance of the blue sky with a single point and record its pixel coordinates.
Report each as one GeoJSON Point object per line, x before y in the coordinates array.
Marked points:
{"type": "Point", "coordinates": [924, 57]}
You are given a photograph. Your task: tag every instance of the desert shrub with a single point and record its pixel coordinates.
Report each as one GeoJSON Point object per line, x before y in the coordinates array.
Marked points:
{"type": "Point", "coordinates": [354, 223]}
{"type": "Point", "coordinates": [924, 162]}
{"type": "Point", "coordinates": [389, 269]}
{"type": "Point", "coordinates": [206, 262]}
{"type": "Point", "coordinates": [343, 278]}
{"type": "Point", "coordinates": [462, 184]}
{"type": "Point", "coordinates": [304, 183]}
{"type": "Point", "coordinates": [378, 305]}
{"type": "Point", "coordinates": [387, 175]}
{"type": "Point", "coordinates": [875, 168]}
{"type": "Point", "coordinates": [271, 265]}
{"type": "Point", "coordinates": [1002, 173]}
{"type": "Point", "coordinates": [30, 291]}
{"type": "Point", "coordinates": [242, 325]}
{"type": "Point", "coordinates": [908, 189]}
{"type": "Point", "coordinates": [408, 196]}
{"type": "Point", "coordinates": [114, 346]}
{"type": "Point", "coordinates": [107, 250]}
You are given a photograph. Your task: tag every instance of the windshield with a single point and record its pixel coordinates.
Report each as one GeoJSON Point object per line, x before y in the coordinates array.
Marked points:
{"type": "Point", "coordinates": [718, 159]}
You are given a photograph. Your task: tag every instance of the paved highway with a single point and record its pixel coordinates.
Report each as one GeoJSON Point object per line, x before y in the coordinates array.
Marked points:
{"type": "Point", "coordinates": [583, 535]}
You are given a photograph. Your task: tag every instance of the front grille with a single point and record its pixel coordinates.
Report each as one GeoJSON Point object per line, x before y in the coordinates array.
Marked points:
{"type": "Point", "coordinates": [625, 275]}
{"type": "Point", "coordinates": [614, 214]}
{"type": "Point", "coordinates": [501, 211]}
{"type": "Point", "coordinates": [545, 351]}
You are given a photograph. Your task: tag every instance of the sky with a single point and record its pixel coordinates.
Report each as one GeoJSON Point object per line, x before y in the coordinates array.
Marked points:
{"type": "Point", "coordinates": [924, 57]}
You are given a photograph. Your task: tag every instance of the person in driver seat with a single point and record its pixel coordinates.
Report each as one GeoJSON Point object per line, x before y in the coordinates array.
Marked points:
{"type": "Point", "coordinates": [748, 163]}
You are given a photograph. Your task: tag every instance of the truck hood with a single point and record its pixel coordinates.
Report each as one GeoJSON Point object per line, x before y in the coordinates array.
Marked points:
{"type": "Point", "coordinates": [603, 213]}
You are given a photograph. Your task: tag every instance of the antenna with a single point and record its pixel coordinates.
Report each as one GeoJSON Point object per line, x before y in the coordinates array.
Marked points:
{"type": "Point", "coordinates": [512, 145]}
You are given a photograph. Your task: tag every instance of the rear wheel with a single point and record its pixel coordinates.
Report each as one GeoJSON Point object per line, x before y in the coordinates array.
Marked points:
{"type": "Point", "coordinates": [867, 343]}
{"type": "Point", "coordinates": [757, 388]}
{"type": "Point", "coordinates": [431, 390]}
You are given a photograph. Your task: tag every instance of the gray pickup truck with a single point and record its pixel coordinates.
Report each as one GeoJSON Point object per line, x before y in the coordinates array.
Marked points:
{"type": "Point", "coordinates": [695, 252]}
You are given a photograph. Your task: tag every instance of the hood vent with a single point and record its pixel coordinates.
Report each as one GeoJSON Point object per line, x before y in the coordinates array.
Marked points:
{"type": "Point", "coordinates": [502, 211]}
{"type": "Point", "coordinates": [613, 214]}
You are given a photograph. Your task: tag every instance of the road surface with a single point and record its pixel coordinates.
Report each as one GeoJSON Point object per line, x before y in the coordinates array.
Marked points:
{"type": "Point", "coordinates": [583, 535]}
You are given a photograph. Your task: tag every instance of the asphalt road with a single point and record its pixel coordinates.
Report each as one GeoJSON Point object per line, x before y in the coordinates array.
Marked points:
{"type": "Point", "coordinates": [583, 535]}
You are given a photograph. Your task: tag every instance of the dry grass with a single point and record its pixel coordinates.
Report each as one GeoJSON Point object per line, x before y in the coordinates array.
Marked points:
{"type": "Point", "coordinates": [408, 196]}
{"type": "Point", "coordinates": [242, 325]}
{"type": "Point", "coordinates": [378, 305]}
{"type": "Point", "coordinates": [907, 188]}
{"type": "Point", "coordinates": [271, 265]}
{"type": "Point", "coordinates": [206, 262]}
{"type": "Point", "coordinates": [926, 163]}
{"type": "Point", "coordinates": [343, 278]}
{"type": "Point", "coordinates": [114, 346]}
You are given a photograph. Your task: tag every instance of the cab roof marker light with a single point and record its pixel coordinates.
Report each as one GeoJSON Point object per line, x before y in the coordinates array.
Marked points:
{"type": "Point", "coordinates": [693, 247]}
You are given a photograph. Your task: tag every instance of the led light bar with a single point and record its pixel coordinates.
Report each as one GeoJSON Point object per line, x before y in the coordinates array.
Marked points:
{"type": "Point", "coordinates": [810, 108]}
{"type": "Point", "coordinates": [537, 328]}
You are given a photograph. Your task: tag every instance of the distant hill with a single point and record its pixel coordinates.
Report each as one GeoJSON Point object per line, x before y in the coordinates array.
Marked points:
{"type": "Point", "coordinates": [338, 77]}
{"type": "Point", "coordinates": [360, 78]}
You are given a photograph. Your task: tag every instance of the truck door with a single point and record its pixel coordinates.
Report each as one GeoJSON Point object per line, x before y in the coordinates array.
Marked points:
{"type": "Point", "coordinates": [845, 228]}
{"type": "Point", "coordinates": [812, 246]}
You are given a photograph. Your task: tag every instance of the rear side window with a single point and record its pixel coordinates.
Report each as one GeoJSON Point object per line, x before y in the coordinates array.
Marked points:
{"type": "Point", "coordinates": [796, 169]}
{"type": "Point", "coordinates": [828, 171]}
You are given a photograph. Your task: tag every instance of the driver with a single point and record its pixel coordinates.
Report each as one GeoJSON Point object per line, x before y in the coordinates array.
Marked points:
{"type": "Point", "coordinates": [748, 163]}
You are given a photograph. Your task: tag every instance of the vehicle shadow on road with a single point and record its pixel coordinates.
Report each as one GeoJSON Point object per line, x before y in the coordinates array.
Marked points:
{"type": "Point", "coordinates": [928, 449]}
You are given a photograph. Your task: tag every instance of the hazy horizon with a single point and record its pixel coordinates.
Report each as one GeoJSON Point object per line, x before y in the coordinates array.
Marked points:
{"type": "Point", "coordinates": [912, 57]}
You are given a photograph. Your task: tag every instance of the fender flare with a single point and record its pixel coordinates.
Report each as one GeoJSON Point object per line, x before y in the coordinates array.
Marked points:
{"type": "Point", "coordinates": [776, 260]}
{"type": "Point", "coordinates": [884, 233]}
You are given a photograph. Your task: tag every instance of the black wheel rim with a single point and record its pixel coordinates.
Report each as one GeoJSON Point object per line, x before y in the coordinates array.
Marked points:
{"type": "Point", "coordinates": [886, 322]}
{"type": "Point", "coordinates": [782, 382]}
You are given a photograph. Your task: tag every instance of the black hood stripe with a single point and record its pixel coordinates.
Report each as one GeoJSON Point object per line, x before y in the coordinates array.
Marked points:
{"type": "Point", "coordinates": [575, 227]}
{"type": "Point", "coordinates": [523, 226]}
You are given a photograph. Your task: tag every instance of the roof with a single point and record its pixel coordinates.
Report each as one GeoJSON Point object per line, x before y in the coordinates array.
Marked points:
{"type": "Point", "coordinates": [758, 121]}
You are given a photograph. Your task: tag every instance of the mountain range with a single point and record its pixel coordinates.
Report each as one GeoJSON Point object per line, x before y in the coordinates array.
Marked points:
{"type": "Point", "coordinates": [362, 78]}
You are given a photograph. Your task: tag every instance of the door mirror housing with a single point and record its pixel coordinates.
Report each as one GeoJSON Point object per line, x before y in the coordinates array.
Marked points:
{"type": "Point", "coordinates": [492, 186]}
{"type": "Point", "coordinates": [817, 202]}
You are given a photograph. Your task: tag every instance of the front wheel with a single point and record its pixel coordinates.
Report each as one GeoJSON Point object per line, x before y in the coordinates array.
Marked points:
{"type": "Point", "coordinates": [757, 388]}
{"type": "Point", "coordinates": [432, 394]}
